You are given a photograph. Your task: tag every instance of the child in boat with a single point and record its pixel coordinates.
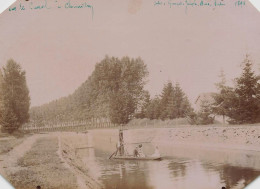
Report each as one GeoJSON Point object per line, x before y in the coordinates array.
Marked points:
{"type": "Point", "coordinates": [136, 152]}
{"type": "Point", "coordinates": [140, 151]}
{"type": "Point", "coordinates": [156, 152]}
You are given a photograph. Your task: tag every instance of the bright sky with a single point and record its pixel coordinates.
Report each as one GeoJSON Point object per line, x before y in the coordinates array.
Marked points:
{"type": "Point", "coordinates": [58, 48]}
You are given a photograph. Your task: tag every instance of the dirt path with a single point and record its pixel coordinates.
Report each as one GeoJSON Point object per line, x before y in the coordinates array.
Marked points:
{"type": "Point", "coordinates": [10, 159]}
{"type": "Point", "coordinates": [36, 162]}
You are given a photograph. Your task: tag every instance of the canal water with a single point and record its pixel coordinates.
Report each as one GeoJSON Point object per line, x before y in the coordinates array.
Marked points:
{"type": "Point", "coordinates": [208, 170]}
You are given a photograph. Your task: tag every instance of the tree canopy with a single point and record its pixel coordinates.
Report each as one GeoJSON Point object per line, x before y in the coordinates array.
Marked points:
{"type": "Point", "coordinates": [15, 97]}
{"type": "Point", "coordinates": [240, 103]}
{"type": "Point", "coordinates": [115, 92]}
{"type": "Point", "coordinates": [245, 107]}
{"type": "Point", "coordinates": [112, 92]}
{"type": "Point", "coordinates": [171, 104]}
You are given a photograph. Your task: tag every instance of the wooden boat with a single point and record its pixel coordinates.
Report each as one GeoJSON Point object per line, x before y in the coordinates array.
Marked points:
{"type": "Point", "coordinates": [137, 158]}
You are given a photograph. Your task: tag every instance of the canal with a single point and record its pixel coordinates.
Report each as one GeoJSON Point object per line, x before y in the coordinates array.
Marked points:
{"type": "Point", "coordinates": [180, 168]}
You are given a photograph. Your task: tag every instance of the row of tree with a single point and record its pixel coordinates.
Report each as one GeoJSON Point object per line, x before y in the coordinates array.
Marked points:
{"type": "Point", "coordinates": [171, 104]}
{"type": "Point", "coordinates": [112, 92]}
{"type": "Point", "coordinates": [14, 97]}
{"type": "Point", "coordinates": [239, 104]}
{"type": "Point", "coordinates": [115, 92]}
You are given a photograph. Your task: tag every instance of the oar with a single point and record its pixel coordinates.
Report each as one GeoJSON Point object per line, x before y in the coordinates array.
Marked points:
{"type": "Point", "coordinates": [112, 155]}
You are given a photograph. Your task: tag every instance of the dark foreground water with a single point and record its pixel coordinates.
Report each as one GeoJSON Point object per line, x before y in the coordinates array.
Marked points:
{"type": "Point", "coordinates": [173, 172]}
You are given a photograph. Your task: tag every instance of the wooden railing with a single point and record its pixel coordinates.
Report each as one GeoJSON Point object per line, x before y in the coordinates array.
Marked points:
{"type": "Point", "coordinates": [82, 126]}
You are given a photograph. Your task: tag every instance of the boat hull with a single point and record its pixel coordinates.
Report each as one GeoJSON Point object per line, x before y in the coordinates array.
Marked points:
{"type": "Point", "coordinates": [136, 158]}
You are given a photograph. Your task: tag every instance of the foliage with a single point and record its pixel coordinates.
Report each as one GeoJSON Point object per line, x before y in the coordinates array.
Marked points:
{"type": "Point", "coordinates": [112, 92]}
{"type": "Point", "coordinates": [223, 101]}
{"type": "Point", "coordinates": [205, 116]}
{"type": "Point", "coordinates": [143, 105]}
{"type": "Point", "coordinates": [192, 118]}
{"type": "Point", "coordinates": [1, 94]}
{"type": "Point", "coordinates": [167, 103]}
{"type": "Point", "coordinates": [241, 103]}
{"type": "Point", "coordinates": [171, 104]}
{"type": "Point", "coordinates": [182, 104]}
{"type": "Point", "coordinates": [174, 103]}
{"type": "Point", "coordinates": [153, 109]}
{"type": "Point", "coordinates": [15, 95]}
{"type": "Point", "coordinates": [245, 102]}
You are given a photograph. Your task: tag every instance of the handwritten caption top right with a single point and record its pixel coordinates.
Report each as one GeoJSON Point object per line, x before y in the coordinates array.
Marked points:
{"type": "Point", "coordinates": [197, 3]}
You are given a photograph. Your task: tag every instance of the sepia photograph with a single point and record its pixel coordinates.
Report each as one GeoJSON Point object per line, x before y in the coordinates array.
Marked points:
{"type": "Point", "coordinates": [133, 94]}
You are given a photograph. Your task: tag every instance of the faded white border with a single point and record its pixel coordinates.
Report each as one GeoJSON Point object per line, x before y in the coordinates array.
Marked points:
{"type": "Point", "coordinates": [4, 4]}
{"type": "Point", "coordinates": [256, 3]}
{"type": "Point", "coordinates": [254, 185]}
{"type": "Point", "coordinates": [4, 184]}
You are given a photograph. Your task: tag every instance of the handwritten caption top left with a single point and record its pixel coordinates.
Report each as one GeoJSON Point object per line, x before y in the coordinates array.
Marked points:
{"type": "Point", "coordinates": [46, 4]}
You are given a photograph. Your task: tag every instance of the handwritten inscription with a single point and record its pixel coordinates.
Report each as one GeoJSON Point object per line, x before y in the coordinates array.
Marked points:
{"type": "Point", "coordinates": [48, 4]}
{"type": "Point", "coordinates": [240, 3]}
{"type": "Point", "coordinates": [197, 3]}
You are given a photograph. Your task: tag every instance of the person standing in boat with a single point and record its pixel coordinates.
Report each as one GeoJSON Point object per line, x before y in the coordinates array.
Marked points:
{"type": "Point", "coordinates": [117, 147]}
{"type": "Point", "coordinates": [121, 143]}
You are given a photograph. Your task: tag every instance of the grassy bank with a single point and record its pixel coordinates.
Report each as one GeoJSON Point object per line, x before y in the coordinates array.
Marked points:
{"type": "Point", "coordinates": [42, 166]}
{"type": "Point", "coordinates": [9, 141]}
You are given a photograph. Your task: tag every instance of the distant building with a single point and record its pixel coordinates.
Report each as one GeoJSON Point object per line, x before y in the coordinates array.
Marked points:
{"type": "Point", "coordinates": [204, 98]}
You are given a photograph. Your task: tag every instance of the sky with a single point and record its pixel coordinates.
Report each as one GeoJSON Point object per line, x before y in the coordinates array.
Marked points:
{"type": "Point", "coordinates": [58, 47]}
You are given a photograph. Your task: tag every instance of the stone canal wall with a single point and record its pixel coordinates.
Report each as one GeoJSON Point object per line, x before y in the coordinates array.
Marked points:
{"type": "Point", "coordinates": [230, 137]}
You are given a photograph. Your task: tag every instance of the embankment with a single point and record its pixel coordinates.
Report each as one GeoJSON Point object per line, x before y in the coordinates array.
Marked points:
{"type": "Point", "coordinates": [69, 144]}
{"type": "Point", "coordinates": [227, 137]}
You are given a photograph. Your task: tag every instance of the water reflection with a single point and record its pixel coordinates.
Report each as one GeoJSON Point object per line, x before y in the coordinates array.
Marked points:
{"type": "Point", "coordinates": [127, 176]}
{"type": "Point", "coordinates": [178, 169]}
{"type": "Point", "coordinates": [232, 176]}
{"type": "Point", "coordinates": [173, 172]}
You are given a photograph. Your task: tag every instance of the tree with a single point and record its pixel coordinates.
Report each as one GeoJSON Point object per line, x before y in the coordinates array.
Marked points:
{"type": "Point", "coordinates": [258, 96]}
{"type": "Point", "coordinates": [153, 110]}
{"type": "Point", "coordinates": [245, 107]}
{"type": "Point", "coordinates": [167, 102]}
{"type": "Point", "coordinates": [174, 103]}
{"type": "Point", "coordinates": [143, 105]}
{"type": "Point", "coordinates": [224, 99]}
{"type": "Point", "coordinates": [182, 104]}
{"type": "Point", "coordinates": [204, 116]}
{"type": "Point", "coordinates": [112, 92]}
{"type": "Point", "coordinates": [127, 90]}
{"type": "Point", "coordinates": [16, 100]}
{"type": "Point", "coordinates": [1, 94]}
